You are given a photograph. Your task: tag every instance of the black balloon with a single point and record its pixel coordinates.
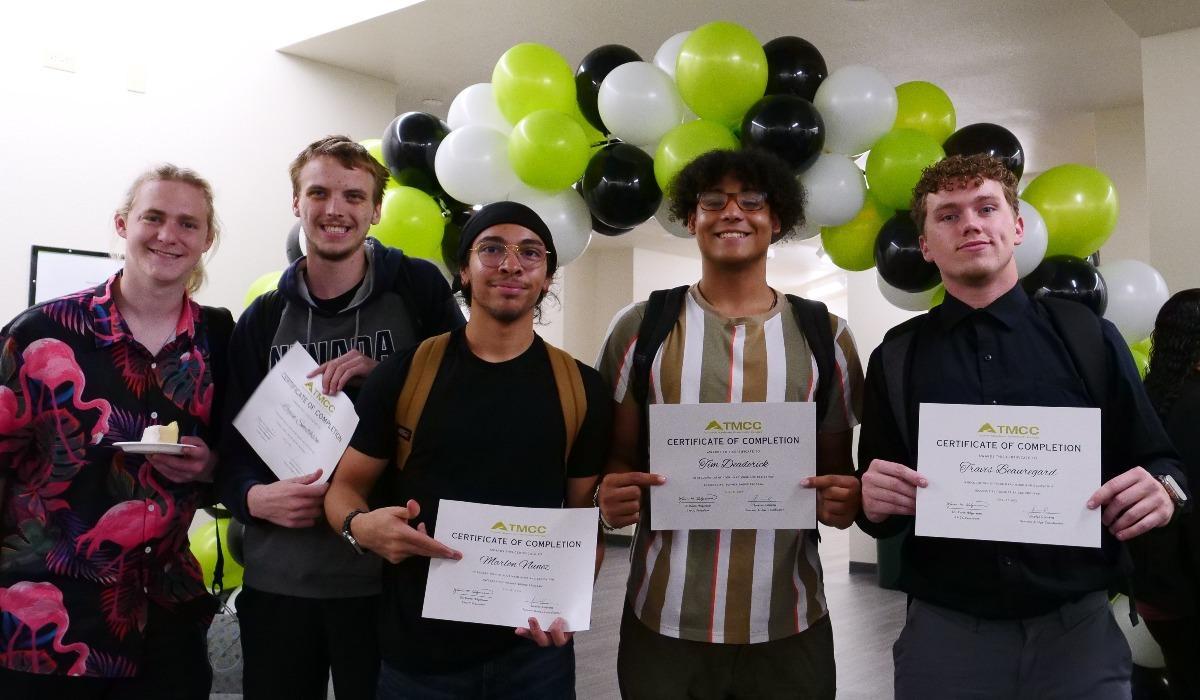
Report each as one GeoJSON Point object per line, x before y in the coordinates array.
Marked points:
{"type": "Point", "coordinates": [1068, 277]}
{"type": "Point", "coordinates": [410, 143]}
{"type": "Point", "coordinates": [292, 247]}
{"type": "Point", "coordinates": [992, 139]}
{"type": "Point", "coordinates": [619, 186]}
{"type": "Point", "coordinates": [592, 71]}
{"type": "Point", "coordinates": [794, 67]}
{"type": "Point", "coordinates": [599, 226]}
{"type": "Point", "coordinates": [898, 256]}
{"type": "Point", "coordinates": [788, 126]}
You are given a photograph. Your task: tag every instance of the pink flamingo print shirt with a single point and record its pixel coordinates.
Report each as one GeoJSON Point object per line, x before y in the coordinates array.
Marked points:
{"type": "Point", "coordinates": [91, 536]}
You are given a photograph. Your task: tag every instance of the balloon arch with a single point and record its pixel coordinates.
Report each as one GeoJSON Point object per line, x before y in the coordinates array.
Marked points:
{"type": "Point", "coordinates": [593, 150]}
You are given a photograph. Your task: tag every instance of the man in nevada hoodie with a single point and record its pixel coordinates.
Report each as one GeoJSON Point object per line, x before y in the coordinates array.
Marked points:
{"type": "Point", "coordinates": [308, 604]}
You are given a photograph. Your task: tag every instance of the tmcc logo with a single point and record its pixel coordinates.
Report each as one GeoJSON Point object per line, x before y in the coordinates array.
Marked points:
{"type": "Point", "coordinates": [1009, 429]}
{"type": "Point", "coordinates": [517, 527]}
{"type": "Point", "coordinates": [740, 426]}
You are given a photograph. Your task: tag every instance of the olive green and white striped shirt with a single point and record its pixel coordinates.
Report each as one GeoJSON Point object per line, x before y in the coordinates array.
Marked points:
{"type": "Point", "coordinates": [730, 586]}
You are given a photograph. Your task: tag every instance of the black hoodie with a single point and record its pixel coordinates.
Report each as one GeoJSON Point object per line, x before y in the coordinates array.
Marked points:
{"type": "Point", "coordinates": [401, 301]}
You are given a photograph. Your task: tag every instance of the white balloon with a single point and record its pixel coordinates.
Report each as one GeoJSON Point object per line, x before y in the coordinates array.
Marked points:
{"type": "Point", "coordinates": [668, 53]}
{"type": "Point", "coordinates": [639, 103]}
{"type": "Point", "coordinates": [1135, 294]}
{"type": "Point", "coordinates": [1033, 248]}
{"type": "Point", "coordinates": [675, 228]}
{"type": "Point", "coordinates": [476, 104]}
{"type": "Point", "coordinates": [566, 215]}
{"type": "Point", "coordinates": [858, 105]}
{"type": "Point", "coordinates": [835, 190]}
{"type": "Point", "coordinates": [472, 165]}
{"type": "Point", "coordinates": [909, 301]}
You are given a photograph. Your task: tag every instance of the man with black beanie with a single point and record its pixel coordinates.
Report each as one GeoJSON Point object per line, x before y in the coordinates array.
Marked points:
{"type": "Point", "coordinates": [494, 429]}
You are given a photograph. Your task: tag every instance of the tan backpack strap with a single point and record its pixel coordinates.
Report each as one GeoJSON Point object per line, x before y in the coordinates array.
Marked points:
{"type": "Point", "coordinates": [570, 393]}
{"type": "Point", "coordinates": [415, 392]}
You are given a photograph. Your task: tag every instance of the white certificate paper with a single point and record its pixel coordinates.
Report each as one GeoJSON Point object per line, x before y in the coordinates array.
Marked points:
{"type": "Point", "coordinates": [1009, 473]}
{"type": "Point", "coordinates": [292, 426]}
{"type": "Point", "coordinates": [517, 563]}
{"type": "Point", "coordinates": [733, 466]}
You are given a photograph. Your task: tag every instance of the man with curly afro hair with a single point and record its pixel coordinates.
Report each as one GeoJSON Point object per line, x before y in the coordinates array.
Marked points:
{"type": "Point", "coordinates": [1002, 618]}
{"type": "Point", "coordinates": [729, 612]}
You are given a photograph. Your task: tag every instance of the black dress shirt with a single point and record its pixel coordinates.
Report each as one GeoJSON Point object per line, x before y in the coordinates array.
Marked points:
{"type": "Point", "coordinates": [1007, 353]}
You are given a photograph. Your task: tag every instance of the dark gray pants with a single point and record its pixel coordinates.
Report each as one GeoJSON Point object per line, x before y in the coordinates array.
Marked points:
{"type": "Point", "coordinates": [1076, 651]}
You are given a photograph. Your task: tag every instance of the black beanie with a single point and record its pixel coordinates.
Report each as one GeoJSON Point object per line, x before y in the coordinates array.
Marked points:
{"type": "Point", "coordinates": [498, 213]}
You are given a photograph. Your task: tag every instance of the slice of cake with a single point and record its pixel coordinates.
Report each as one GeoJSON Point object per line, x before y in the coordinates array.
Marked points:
{"type": "Point", "coordinates": [162, 433]}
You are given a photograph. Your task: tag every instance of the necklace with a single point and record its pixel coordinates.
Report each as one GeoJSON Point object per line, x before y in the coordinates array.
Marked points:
{"type": "Point", "coordinates": [774, 298]}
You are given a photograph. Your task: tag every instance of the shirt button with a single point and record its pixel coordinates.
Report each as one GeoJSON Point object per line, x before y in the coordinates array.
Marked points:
{"type": "Point", "coordinates": [150, 507]}
{"type": "Point", "coordinates": [1007, 560]}
{"type": "Point", "coordinates": [148, 550]}
{"type": "Point", "coordinates": [154, 414]}
{"type": "Point", "coordinates": [145, 589]}
{"type": "Point", "coordinates": [988, 357]}
{"type": "Point", "coordinates": [153, 365]}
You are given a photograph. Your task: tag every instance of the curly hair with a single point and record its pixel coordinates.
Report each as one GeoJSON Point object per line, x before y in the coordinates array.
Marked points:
{"type": "Point", "coordinates": [954, 172]}
{"type": "Point", "coordinates": [1174, 349]}
{"type": "Point", "coordinates": [755, 169]}
{"type": "Point", "coordinates": [351, 155]}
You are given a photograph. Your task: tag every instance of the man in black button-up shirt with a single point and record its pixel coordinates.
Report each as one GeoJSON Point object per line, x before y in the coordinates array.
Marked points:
{"type": "Point", "coordinates": [999, 619]}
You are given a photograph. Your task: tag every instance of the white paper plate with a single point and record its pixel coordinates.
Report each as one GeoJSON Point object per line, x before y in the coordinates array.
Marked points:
{"type": "Point", "coordinates": [152, 448]}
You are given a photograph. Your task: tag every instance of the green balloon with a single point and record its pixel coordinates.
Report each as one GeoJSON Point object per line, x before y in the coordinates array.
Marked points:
{"type": "Point", "coordinates": [261, 286]}
{"type": "Point", "coordinates": [721, 72]}
{"type": "Point", "coordinates": [548, 150]}
{"type": "Point", "coordinates": [1079, 206]}
{"type": "Point", "coordinates": [939, 295]}
{"type": "Point", "coordinates": [203, 543]}
{"type": "Point", "coordinates": [924, 107]}
{"type": "Point", "coordinates": [895, 163]}
{"type": "Point", "coordinates": [1143, 346]}
{"type": "Point", "coordinates": [412, 221]}
{"type": "Point", "coordinates": [851, 246]}
{"type": "Point", "coordinates": [529, 77]}
{"type": "Point", "coordinates": [1140, 359]}
{"type": "Point", "coordinates": [375, 148]}
{"type": "Point", "coordinates": [685, 143]}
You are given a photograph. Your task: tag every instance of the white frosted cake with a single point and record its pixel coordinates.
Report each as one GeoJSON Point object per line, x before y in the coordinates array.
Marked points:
{"type": "Point", "coordinates": [162, 433]}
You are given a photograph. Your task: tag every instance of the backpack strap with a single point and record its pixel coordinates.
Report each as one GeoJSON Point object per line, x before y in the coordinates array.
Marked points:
{"type": "Point", "coordinates": [662, 310]}
{"type": "Point", "coordinates": [571, 394]}
{"type": "Point", "coordinates": [425, 363]}
{"type": "Point", "coordinates": [816, 324]}
{"type": "Point", "coordinates": [218, 326]}
{"type": "Point", "coordinates": [1080, 330]}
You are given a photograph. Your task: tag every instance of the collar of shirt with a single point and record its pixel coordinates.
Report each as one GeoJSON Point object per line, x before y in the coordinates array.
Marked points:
{"type": "Point", "coordinates": [109, 327]}
{"type": "Point", "coordinates": [1007, 309]}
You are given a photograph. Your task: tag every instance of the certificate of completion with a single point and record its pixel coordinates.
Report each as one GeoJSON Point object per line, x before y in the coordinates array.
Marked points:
{"type": "Point", "coordinates": [292, 426]}
{"type": "Point", "coordinates": [733, 465]}
{"type": "Point", "coordinates": [517, 563]}
{"type": "Point", "coordinates": [1009, 473]}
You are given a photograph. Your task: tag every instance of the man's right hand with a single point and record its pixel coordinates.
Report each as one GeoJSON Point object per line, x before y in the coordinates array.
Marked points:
{"type": "Point", "coordinates": [295, 502]}
{"type": "Point", "coordinates": [620, 496]}
{"type": "Point", "coordinates": [890, 488]}
{"type": "Point", "coordinates": [386, 532]}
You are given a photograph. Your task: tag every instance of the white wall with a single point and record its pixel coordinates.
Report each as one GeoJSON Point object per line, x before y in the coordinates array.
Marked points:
{"type": "Point", "coordinates": [217, 97]}
{"type": "Point", "coordinates": [1171, 96]}
{"type": "Point", "coordinates": [1121, 154]}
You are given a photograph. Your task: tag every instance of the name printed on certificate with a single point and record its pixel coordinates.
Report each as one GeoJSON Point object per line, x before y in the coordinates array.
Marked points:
{"type": "Point", "coordinates": [1009, 473]}
{"type": "Point", "coordinates": [517, 563]}
{"type": "Point", "coordinates": [733, 466]}
{"type": "Point", "coordinates": [293, 427]}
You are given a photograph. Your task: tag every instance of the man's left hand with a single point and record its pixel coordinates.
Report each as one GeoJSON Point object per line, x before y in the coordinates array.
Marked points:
{"type": "Point", "coordinates": [557, 635]}
{"type": "Point", "coordinates": [838, 498]}
{"type": "Point", "coordinates": [195, 464]}
{"type": "Point", "coordinates": [338, 372]}
{"type": "Point", "coordinates": [1134, 503]}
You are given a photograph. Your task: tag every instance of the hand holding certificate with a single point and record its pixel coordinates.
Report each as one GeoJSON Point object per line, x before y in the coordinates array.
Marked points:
{"type": "Point", "coordinates": [293, 427]}
{"type": "Point", "coordinates": [517, 564]}
{"type": "Point", "coordinates": [1009, 473]}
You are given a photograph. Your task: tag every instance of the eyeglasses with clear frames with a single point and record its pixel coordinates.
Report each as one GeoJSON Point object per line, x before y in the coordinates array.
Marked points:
{"type": "Point", "coordinates": [714, 200]}
{"type": "Point", "coordinates": [492, 254]}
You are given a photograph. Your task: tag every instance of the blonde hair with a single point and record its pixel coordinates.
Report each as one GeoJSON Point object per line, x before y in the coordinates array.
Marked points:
{"type": "Point", "coordinates": [168, 172]}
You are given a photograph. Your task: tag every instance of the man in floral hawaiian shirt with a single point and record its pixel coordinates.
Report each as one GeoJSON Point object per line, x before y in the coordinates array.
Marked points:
{"type": "Point", "coordinates": [99, 593]}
